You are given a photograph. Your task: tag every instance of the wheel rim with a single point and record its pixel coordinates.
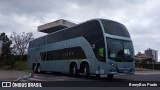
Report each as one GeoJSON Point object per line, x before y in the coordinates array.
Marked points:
{"type": "Point", "coordinates": [34, 68]}
{"type": "Point", "coordinates": [74, 70]}
{"type": "Point", "coordinates": [85, 71]}
{"type": "Point", "coordinates": [39, 69]}
{"type": "Point", "coordinates": [110, 76]}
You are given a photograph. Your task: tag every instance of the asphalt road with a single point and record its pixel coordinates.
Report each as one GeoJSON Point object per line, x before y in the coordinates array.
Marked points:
{"type": "Point", "coordinates": [138, 76]}
{"type": "Point", "coordinates": [65, 80]}
{"type": "Point", "coordinates": [11, 75]}
{"type": "Point", "coordinates": [149, 75]}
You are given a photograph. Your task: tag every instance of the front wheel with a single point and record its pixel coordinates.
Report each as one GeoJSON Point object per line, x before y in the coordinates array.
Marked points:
{"type": "Point", "coordinates": [39, 69]}
{"type": "Point", "coordinates": [98, 75]}
{"type": "Point", "coordinates": [34, 69]}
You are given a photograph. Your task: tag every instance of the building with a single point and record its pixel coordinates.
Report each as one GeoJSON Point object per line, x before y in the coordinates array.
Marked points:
{"type": "Point", "coordinates": [55, 26]}
{"type": "Point", "coordinates": [142, 56]}
{"type": "Point", "coordinates": [0, 47]}
{"type": "Point", "coordinates": [152, 54]}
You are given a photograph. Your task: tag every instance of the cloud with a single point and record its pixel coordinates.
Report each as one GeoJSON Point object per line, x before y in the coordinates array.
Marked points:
{"type": "Point", "coordinates": [141, 17]}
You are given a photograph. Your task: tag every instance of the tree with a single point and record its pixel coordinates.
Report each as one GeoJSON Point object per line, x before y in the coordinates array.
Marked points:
{"type": "Point", "coordinates": [6, 50]}
{"type": "Point", "coordinates": [146, 60]}
{"type": "Point", "coordinates": [20, 43]}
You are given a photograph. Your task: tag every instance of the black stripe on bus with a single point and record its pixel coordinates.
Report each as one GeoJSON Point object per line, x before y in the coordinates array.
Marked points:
{"type": "Point", "coordinates": [63, 54]}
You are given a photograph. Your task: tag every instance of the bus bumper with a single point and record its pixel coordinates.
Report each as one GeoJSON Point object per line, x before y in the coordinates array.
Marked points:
{"type": "Point", "coordinates": [126, 71]}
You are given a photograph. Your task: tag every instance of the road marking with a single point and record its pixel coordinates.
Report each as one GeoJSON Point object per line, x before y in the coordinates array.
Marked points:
{"type": "Point", "coordinates": [146, 73]}
{"type": "Point", "coordinates": [60, 79]}
{"type": "Point", "coordinates": [34, 79]}
{"type": "Point", "coordinates": [24, 77]}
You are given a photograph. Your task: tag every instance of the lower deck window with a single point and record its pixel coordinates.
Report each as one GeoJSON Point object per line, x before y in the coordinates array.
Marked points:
{"type": "Point", "coordinates": [63, 54]}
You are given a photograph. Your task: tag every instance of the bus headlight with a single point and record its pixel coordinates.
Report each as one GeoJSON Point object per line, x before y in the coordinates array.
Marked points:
{"type": "Point", "coordinates": [112, 64]}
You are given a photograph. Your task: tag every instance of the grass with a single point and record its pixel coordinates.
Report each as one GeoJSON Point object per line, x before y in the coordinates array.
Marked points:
{"type": "Point", "coordinates": [5, 67]}
{"type": "Point", "coordinates": [19, 65]}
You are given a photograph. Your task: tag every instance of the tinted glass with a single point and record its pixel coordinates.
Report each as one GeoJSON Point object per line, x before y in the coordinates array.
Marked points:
{"type": "Point", "coordinates": [115, 50]}
{"type": "Point", "coordinates": [115, 28]}
{"type": "Point", "coordinates": [128, 51]}
{"type": "Point", "coordinates": [38, 42]}
{"type": "Point", "coordinates": [63, 54]}
{"type": "Point", "coordinates": [90, 30]}
{"type": "Point", "coordinates": [121, 51]}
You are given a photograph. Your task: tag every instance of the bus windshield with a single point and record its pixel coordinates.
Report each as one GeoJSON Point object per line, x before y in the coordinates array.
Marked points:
{"type": "Point", "coordinates": [120, 51]}
{"type": "Point", "coordinates": [115, 28]}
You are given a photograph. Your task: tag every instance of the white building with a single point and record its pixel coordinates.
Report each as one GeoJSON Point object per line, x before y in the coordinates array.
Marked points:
{"type": "Point", "coordinates": [152, 53]}
{"type": "Point", "coordinates": [55, 26]}
{"type": "Point", "coordinates": [141, 56]}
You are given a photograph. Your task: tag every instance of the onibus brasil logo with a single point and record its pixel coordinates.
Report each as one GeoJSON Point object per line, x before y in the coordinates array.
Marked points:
{"type": "Point", "coordinates": [20, 84]}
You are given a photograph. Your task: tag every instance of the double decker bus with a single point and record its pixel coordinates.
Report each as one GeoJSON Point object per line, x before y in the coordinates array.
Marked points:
{"type": "Point", "coordinates": [95, 47]}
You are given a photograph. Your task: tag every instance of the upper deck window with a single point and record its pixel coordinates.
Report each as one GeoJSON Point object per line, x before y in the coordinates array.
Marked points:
{"type": "Point", "coordinates": [115, 28]}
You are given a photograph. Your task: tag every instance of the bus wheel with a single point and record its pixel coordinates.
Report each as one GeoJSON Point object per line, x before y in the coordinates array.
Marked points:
{"type": "Point", "coordinates": [98, 75]}
{"type": "Point", "coordinates": [110, 76]}
{"type": "Point", "coordinates": [74, 70]}
{"type": "Point", "coordinates": [34, 69]}
{"type": "Point", "coordinates": [86, 71]}
{"type": "Point", "coordinates": [39, 69]}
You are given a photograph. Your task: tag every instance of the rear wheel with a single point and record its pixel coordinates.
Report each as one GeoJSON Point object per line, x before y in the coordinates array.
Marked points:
{"type": "Point", "coordinates": [110, 76]}
{"type": "Point", "coordinates": [74, 70]}
{"type": "Point", "coordinates": [98, 75]}
{"type": "Point", "coordinates": [86, 71]}
{"type": "Point", "coordinates": [34, 69]}
{"type": "Point", "coordinates": [39, 69]}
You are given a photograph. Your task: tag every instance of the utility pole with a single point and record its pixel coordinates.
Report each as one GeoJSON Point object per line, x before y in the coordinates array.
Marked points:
{"type": "Point", "coordinates": [1, 42]}
{"type": "Point", "coordinates": [152, 62]}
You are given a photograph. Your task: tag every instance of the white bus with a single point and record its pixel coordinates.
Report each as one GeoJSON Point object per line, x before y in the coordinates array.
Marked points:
{"type": "Point", "coordinates": [97, 47]}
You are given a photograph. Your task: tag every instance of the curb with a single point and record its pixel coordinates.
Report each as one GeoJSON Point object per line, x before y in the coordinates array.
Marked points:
{"type": "Point", "coordinates": [146, 73]}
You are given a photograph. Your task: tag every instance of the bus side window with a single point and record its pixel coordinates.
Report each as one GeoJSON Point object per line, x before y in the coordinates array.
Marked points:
{"type": "Point", "coordinates": [42, 56]}
{"type": "Point", "coordinates": [101, 52]}
{"type": "Point", "coordinates": [45, 56]}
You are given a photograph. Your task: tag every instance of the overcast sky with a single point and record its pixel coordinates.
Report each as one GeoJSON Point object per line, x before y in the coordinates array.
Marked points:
{"type": "Point", "coordinates": [141, 17]}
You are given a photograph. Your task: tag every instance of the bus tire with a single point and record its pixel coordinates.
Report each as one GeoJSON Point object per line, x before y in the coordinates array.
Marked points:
{"type": "Point", "coordinates": [98, 75]}
{"type": "Point", "coordinates": [110, 76]}
{"type": "Point", "coordinates": [74, 70]}
{"type": "Point", "coordinates": [34, 68]}
{"type": "Point", "coordinates": [38, 68]}
{"type": "Point", "coordinates": [86, 71]}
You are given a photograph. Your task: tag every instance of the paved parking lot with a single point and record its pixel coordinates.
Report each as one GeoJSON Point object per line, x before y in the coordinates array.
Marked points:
{"type": "Point", "coordinates": [11, 75]}
{"type": "Point", "coordinates": [140, 75]}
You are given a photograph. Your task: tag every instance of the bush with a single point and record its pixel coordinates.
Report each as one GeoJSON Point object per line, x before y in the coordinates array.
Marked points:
{"type": "Point", "coordinates": [20, 65]}
{"type": "Point", "coordinates": [10, 61]}
{"type": "Point", "coordinates": [13, 63]}
{"type": "Point", "coordinates": [148, 66]}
